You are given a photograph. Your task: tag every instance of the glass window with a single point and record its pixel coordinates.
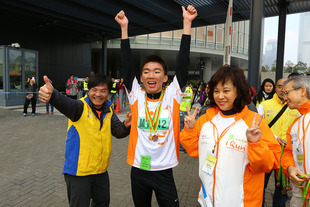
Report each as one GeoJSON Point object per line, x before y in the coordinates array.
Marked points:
{"type": "Point", "coordinates": [178, 34]}
{"type": "Point", "coordinates": [30, 65]}
{"type": "Point", "coordinates": [166, 34]}
{"type": "Point", "coordinates": [154, 38]}
{"type": "Point", "coordinates": [1, 67]}
{"type": "Point", "coordinates": [166, 38]}
{"type": "Point", "coordinates": [15, 69]}
{"type": "Point", "coordinates": [201, 33]}
{"type": "Point", "coordinates": [210, 33]}
{"type": "Point", "coordinates": [241, 37]}
{"type": "Point", "coordinates": [235, 37]}
{"type": "Point", "coordinates": [154, 34]}
{"type": "Point", "coordinates": [219, 35]}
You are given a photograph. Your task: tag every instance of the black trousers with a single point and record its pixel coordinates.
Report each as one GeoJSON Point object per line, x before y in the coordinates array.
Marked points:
{"type": "Point", "coordinates": [144, 182]}
{"type": "Point", "coordinates": [33, 105]}
{"type": "Point", "coordinates": [81, 189]}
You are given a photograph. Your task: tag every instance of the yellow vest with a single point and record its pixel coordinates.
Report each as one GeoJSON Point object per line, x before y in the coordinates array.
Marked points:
{"type": "Point", "coordinates": [257, 103]}
{"type": "Point", "coordinates": [88, 147]}
{"type": "Point", "coordinates": [187, 99]}
{"type": "Point", "coordinates": [271, 109]}
{"type": "Point", "coordinates": [113, 88]}
{"type": "Point", "coordinates": [85, 88]}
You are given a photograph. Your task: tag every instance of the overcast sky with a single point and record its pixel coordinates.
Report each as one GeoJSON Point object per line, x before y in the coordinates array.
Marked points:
{"type": "Point", "coordinates": [291, 36]}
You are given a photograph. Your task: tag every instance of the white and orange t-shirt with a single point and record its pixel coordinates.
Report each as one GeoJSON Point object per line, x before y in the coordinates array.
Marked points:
{"type": "Point", "coordinates": [164, 152]}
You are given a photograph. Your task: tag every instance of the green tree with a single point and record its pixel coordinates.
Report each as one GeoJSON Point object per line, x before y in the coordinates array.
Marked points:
{"type": "Point", "coordinates": [265, 68]}
{"type": "Point", "coordinates": [274, 66]}
{"type": "Point", "coordinates": [300, 67]}
{"type": "Point", "coordinates": [288, 67]}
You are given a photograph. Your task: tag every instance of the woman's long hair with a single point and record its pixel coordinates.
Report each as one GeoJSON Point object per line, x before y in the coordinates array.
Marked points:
{"type": "Point", "coordinates": [260, 95]}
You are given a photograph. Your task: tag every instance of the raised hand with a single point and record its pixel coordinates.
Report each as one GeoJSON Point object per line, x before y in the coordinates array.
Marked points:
{"type": "Point", "coordinates": [254, 133]}
{"type": "Point", "coordinates": [127, 120]}
{"type": "Point", "coordinates": [123, 22]}
{"type": "Point", "coordinates": [190, 119]}
{"type": "Point", "coordinates": [46, 91]}
{"type": "Point", "coordinates": [294, 174]}
{"type": "Point", "coordinates": [121, 19]}
{"type": "Point", "coordinates": [190, 14]}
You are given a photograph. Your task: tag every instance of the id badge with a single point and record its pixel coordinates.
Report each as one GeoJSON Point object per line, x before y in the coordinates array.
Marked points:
{"type": "Point", "coordinates": [145, 163]}
{"type": "Point", "coordinates": [300, 159]}
{"type": "Point", "coordinates": [209, 163]}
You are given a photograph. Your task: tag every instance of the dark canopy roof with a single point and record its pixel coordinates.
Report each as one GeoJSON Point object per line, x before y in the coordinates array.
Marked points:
{"type": "Point", "coordinates": [88, 20]}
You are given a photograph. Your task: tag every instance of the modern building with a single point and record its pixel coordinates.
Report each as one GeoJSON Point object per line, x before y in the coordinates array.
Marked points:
{"type": "Point", "coordinates": [63, 32]}
{"type": "Point", "coordinates": [206, 49]}
{"type": "Point", "coordinates": [304, 38]}
{"type": "Point", "coordinates": [270, 54]}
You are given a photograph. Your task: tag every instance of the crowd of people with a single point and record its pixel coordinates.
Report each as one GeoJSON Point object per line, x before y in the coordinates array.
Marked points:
{"type": "Point", "coordinates": [239, 137]}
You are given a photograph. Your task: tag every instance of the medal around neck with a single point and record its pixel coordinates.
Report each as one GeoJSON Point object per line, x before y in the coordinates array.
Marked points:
{"type": "Point", "coordinates": [153, 122]}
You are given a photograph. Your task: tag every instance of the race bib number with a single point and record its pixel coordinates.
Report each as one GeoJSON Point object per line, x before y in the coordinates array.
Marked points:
{"type": "Point", "coordinates": [163, 123]}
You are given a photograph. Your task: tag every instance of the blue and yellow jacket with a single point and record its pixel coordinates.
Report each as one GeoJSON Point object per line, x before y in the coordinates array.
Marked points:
{"type": "Point", "coordinates": [88, 145]}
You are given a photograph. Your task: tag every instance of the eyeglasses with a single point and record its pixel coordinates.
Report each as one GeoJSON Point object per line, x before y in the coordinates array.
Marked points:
{"type": "Point", "coordinates": [287, 92]}
{"type": "Point", "coordinates": [101, 92]}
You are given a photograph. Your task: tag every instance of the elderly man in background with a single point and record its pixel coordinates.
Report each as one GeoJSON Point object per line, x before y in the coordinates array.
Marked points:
{"type": "Point", "coordinates": [279, 117]}
{"type": "Point", "coordinates": [296, 157]}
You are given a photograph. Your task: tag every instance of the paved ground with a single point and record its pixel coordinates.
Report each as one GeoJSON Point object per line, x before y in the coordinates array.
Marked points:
{"type": "Point", "coordinates": [32, 156]}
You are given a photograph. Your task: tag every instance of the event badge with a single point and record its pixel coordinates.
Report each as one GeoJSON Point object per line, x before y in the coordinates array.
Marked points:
{"type": "Point", "coordinates": [145, 163]}
{"type": "Point", "coordinates": [300, 159]}
{"type": "Point", "coordinates": [209, 164]}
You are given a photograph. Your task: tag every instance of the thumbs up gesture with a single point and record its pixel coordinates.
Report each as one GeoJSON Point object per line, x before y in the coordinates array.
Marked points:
{"type": "Point", "coordinates": [46, 91]}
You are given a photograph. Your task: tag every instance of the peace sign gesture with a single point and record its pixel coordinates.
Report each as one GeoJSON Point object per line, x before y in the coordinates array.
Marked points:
{"type": "Point", "coordinates": [190, 120]}
{"type": "Point", "coordinates": [254, 133]}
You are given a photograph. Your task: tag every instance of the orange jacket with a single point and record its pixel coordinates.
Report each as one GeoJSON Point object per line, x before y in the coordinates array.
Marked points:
{"type": "Point", "coordinates": [295, 135]}
{"type": "Point", "coordinates": [238, 177]}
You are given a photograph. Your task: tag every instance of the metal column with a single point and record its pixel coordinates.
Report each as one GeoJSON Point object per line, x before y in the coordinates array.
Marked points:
{"type": "Point", "coordinates": [104, 58]}
{"type": "Point", "coordinates": [256, 42]}
{"type": "Point", "coordinates": [281, 39]}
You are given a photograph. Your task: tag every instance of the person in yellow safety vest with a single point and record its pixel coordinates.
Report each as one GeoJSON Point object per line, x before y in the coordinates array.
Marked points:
{"type": "Point", "coordinates": [270, 108]}
{"type": "Point", "coordinates": [85, 85]}
{"type": "Point", "coordinates": [186, 101]}
{"type": "Point", "coordinates": [113, 96]}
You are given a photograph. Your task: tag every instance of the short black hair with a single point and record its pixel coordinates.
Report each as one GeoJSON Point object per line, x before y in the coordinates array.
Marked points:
{"type": "Point", "coordinates": [293, 74]}
{"type": "Point", "coordinates": [154, 58]}
{"type": "Point", "coordinates": [98, 80]}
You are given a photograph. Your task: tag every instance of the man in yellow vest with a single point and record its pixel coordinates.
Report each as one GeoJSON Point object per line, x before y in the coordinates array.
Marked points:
{"type": "Point", "coordinates": [186, 101]}
{"type": "Point", "coordinates": [85, 85]}
{"type": "Point", "coordinates": [88, 148]}
{"type": "Point", "coordinates": [270, 108]}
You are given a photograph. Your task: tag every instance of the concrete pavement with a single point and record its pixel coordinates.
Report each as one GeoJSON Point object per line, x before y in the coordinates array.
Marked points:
{"type": "Point", "coordinates": [32, 156]}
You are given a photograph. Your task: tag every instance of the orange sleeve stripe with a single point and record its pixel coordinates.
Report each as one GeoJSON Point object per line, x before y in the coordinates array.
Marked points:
{"type": "Point", "coordinates": [176, 126]}
{"type": "Point", "coordinates": [133, 138]}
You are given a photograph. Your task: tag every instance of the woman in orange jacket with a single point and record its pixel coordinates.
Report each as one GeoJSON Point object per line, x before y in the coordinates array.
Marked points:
{"type": "Point", "coordinates": [235, 146]}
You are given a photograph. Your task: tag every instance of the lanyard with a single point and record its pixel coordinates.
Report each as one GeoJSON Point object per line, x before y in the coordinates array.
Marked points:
{"type": "Point", "coordinates": [302, 139]}
{"type": "Point", "coordinates": [221, 136]}
{"type": "Point", "coordinates": [305, 191]}
{"type": "Point", "coordinates": [153, 126]}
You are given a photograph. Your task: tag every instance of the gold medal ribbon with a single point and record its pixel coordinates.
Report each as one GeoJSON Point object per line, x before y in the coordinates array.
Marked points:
{"type": "Point", "coordinates": [153, 126]}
